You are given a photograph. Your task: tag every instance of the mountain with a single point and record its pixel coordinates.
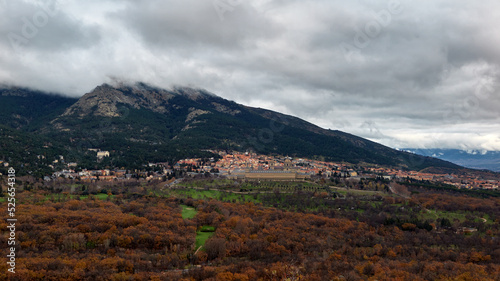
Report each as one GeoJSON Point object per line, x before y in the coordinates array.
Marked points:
{"type": "Point", "coordinates": [22, 113]}
{"type": "Point", "coordinates": [26, 109]}
{"type": "Point", "coordinates": [140, 123]}
{"type": "Point", "coordinates": [474, 159]}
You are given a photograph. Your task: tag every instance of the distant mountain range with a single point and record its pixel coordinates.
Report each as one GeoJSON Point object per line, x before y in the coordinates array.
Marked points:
{"type": "Point", "coordinates": [474, 159]}
{"type": "Point", "coordinates": [140, 123]}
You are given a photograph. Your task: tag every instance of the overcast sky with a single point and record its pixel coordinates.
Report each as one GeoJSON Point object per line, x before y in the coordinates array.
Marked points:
{"type": "Point", "coordinates": [421, 74]}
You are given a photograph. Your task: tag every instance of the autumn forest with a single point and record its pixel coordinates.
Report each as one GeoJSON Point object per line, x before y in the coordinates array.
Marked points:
{"type": "Point", "coordinates": [145, 233]}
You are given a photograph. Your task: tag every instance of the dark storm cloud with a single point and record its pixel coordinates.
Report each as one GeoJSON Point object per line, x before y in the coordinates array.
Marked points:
{"type": "Point", "coordinates": [403, 73]}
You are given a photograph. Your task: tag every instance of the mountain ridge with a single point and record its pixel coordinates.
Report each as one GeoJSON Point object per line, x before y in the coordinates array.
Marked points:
{"type": "Point", "coordinates": [142, 123]}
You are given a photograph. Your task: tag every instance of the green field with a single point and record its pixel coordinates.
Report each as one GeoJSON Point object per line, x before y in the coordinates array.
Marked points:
{"type": "Point", "coordinates": [58, 196]}
{"type": "Point", "coordinates": [188, 212]}
{"type": "Point", "coordinates": [357, 192]}
{"type": "Point", "coordinates": [203, 234]}
{"type": "Point", "coordinates": [452, 216]}
{"type": "Point", "coordinates": [207, 183]}
{"type": "Point", "coordinates": [207, 228]}
{"type": "Point", "coordinates": [100, 196]}
{"type": "Point", "coordinates": [226, 184]}
{"type": "Point", "coordinates": [215, 194]}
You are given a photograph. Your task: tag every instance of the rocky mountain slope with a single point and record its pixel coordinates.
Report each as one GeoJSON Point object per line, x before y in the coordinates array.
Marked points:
{"type": "Point", "coordinates": [140, 123]}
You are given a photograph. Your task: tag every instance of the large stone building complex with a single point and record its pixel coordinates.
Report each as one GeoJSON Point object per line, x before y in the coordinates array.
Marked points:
{"type": "Point", "coordinates": [287, 172]}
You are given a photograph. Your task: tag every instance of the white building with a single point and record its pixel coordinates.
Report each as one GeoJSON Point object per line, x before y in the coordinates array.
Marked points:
{"type": "Point", "coordinates": [102, 154]}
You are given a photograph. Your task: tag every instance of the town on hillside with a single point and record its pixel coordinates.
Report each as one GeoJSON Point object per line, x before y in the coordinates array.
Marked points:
{"type": "Point", "coordinates": [252, 166]}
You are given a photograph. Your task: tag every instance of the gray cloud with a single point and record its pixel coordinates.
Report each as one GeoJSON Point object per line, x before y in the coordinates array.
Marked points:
{"type": "Point", "coordinates": [194, 25]}
{"type": "Point", "coordinates": [42, 26]}
{"type": "Point", "coordinates": [422, 74]}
